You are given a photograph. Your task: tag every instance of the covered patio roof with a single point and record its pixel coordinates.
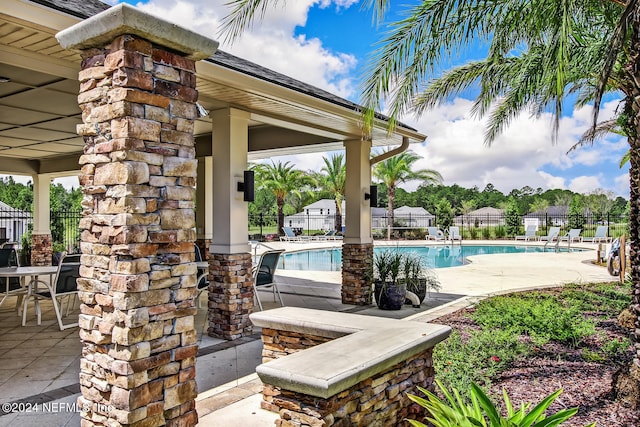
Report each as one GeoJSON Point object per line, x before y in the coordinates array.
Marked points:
{"type": "Point", "coordinates": [39, 109]}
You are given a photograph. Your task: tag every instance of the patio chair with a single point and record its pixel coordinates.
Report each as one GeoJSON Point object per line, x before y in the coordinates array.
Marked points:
{"type": "Point", "coordinates": [64, 285]}
{"type": "Point", "coordinates": [572, 236]}
{"type": "Point", "coordinates": [529, 234]}
{"type": "Point", "coordinates": [454, 233]}
{"type": "Point", "coordinates": [264, 272]}
{"type": "Point", "coordinates": [10, 286]}
{"type": "Point", "coordinates": [552, 235]}
{"type": "Point", "coordinates": [600, 236]}
{"type": "Point", "coordinates": [202, 273]}
{"type": "Point", "coordinates": [433, 233]}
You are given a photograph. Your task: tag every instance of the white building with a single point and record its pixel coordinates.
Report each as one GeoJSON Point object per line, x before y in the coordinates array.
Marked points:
{"type": "Point", "coordinates": [413, 217]}
{"type": "Point", "coordinates": [319, 215]}
{"type": "Point", "coordinates": [13, 223]}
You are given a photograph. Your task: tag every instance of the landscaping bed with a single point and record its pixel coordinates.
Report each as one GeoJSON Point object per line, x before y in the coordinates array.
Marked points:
{"type": "Point", "coordinates": [530, 362]}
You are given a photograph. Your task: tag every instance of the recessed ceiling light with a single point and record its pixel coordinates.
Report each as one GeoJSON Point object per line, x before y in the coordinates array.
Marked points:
{"type": "Point", "coordinates": [4, 79]}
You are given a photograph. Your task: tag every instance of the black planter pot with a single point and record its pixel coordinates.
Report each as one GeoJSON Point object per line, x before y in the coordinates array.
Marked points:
{"type": "Point", "coordinates": [420, 290]}
{"type": "Point", "coordinates": [389, 296]}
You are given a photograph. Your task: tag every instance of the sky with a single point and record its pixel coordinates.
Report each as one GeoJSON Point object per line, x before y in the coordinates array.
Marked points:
{"type": "Point", "coordinates": [326, 43]}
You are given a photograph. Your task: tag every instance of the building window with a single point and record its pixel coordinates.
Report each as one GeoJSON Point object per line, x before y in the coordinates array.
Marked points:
{"type": "Point", "coordinates": [320, 211]}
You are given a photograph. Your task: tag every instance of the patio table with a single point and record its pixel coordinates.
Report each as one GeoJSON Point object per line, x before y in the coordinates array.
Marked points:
{"type": "Point", "coordinates": [22, 273]}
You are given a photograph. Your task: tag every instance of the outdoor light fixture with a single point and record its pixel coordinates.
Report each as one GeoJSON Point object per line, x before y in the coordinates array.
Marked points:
{"type": "Point", "coordinates": [247, 187]}
{"type": "Point", "coordinates": [4, 79]}
{"type": "Point", "coordinates": [202, 112]}
{"type": "Point", "coordinates": [372, 196]}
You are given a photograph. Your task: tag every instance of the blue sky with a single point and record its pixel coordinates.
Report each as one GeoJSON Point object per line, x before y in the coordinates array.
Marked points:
{"type": "Point", "coordinates": [326, 42]}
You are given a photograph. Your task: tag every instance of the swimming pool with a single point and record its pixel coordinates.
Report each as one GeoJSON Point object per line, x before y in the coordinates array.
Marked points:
{"type": "Point", "coordinates": [435, 256]}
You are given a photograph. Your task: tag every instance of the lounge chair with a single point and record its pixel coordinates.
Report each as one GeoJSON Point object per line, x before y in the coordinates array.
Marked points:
{"type": "Point", "coordinates": [264, 272]}
{"type": "Point", "coordinates": [454, 233]}
{"type": "Point", "coordinates": [600, 236]}
{"type": "Point", "coordinates": [572, 236]}
{"type": "Point", "coordinates": [289, 235]}
{"type": "Point", "coordinates": [552, 235]}
{"type": "Point", "coordinates": [529, 234]}
{"type": "Point", "coordinates": [433, 233]}
{"type": "Point", "coordinates": [64, 285]}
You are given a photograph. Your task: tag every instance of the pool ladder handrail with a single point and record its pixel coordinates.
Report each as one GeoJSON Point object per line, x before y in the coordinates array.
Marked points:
{"type": "Point", "coordinates": [557, 245]}
{"type": "Point", "coordinates": [255, 245]}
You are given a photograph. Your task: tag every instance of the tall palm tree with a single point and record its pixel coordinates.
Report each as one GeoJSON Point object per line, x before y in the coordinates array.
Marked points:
{"type": "Point", "coordinates": [334, 181]}
{"type": "Point", "coordinates": [281, 179]}
{"type": "Point", "coordinates": [398, 169]}
{"type": "Point", "coordinates": [540, 51]}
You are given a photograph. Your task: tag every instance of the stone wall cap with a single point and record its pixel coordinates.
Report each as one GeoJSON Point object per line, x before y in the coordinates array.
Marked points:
{"type": "Point", "coordinates": [102, 28]}
{"type": "Point", "coordinates": [329, 368]}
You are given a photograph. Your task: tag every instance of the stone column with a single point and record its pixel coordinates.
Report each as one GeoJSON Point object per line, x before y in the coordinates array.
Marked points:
{"type": "Point", "coordinates": [41, 239]}
{"type": "Point", "coordinates": [137, 96]}
{"type": "Point", "coordinates": [357, 249]}
{"type": "Point", "coordinates": [231, 289]}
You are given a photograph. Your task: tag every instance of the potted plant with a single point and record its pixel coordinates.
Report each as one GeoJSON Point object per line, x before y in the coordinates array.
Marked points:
{"type": "Point", "coordinates": [419, 278]}
{"type": "Point", "coordinates": [389, 290]}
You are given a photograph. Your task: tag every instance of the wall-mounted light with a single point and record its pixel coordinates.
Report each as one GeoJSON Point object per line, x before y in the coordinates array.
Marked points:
{"type": "Point", "coordinates": [202, 112]}
{"type": "Point", "coordinates": [4, 79]}
{"type": "Point", "coordinates": [372, 196]}
{"type": "Point", "coordinates": [247, 187]}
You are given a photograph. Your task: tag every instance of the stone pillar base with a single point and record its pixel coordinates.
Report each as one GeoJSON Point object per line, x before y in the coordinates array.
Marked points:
{"type": "Point", "coordinates": [357, 273]}
{"type": "Point", "coordinates": [41, 249]}
{"type": "Point", "coordinates": [230, 295]}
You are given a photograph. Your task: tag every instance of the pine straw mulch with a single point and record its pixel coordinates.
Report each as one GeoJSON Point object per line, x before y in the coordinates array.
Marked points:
{"type": "Point", "coordinates": [586, 384]}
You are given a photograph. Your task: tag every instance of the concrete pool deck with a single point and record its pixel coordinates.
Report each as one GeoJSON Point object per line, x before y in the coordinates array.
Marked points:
{"type": "Point", "coordinates": [40, 363]}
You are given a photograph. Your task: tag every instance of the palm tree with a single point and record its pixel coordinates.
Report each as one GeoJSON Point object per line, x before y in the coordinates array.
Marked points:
{"type": "Point", "coordinates": [334, 181]}
{"type": "Point", "coordinates": [281, 179]}
{"type": "Point", "coordinates": [398, 169]}
{"type": "Point", "coordinates": [540, 52]}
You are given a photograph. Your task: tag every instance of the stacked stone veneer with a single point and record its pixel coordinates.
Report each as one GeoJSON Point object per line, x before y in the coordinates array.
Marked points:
{"type": "Point", "coordinates": [41, 249]}
{"type": "Point", "coordinates": [138, 276]}
{"type": "Point", "coordinates": [379, 400]}
{"type": "Point", "coordinates": [230, 295]}
{"type": "Point", "coordinates": [357, 273]}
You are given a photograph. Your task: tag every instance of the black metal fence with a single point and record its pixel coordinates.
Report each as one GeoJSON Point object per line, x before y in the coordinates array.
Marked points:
{"type": "Point", "coordinates": [16, 226]}
{"type": "Point", "coordinates": [15, 223]}
{"type": "Point", "coordinates": [264, 227]}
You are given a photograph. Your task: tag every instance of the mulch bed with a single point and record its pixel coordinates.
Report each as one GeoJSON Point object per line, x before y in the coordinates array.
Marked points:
{"type": "Point", "coordinates": [587, 385]}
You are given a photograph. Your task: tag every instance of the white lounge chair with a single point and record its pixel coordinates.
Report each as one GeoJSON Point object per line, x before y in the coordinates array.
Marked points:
{"type": "Point", "coordinates": [529, 234]}
{"type": "Point", "coordinates": [289, 235]}
{"type": "Point", "coordinates": [572, 236]}
{"type": "Point", "coordinates": [433, 233]}
{"type": "Point", "coordinates": [552, 235]}
{"type": "Point", "coordinates": [600, 236]}
{"type": "Point", "coordinates": [454, 233]}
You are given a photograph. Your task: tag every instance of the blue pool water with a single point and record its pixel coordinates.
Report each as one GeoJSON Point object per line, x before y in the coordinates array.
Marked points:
{"type": "Point", "coordinates": [435, 256]}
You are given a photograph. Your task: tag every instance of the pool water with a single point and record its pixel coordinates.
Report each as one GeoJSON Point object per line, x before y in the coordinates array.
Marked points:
{"type": "Point", "coordinates": [435, 256]}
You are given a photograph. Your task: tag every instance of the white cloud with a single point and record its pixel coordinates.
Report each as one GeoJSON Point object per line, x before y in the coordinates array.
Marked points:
{"type": "Point", "coordinates": [585, 184]}
{"type": "Point", "coordinates": [270, 42]}
{"type": "Point", "coordinates": [523, 155]}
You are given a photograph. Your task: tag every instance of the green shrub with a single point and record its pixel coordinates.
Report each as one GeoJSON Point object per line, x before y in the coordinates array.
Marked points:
{"type": "Point", "coordinates": [536, 316]}
{"type": "Point", "coordinates": [486, 233]}
{"type": "Point", "coordinates": [477, 359]}
{"type": "Point", "coordinates": [500, 232]}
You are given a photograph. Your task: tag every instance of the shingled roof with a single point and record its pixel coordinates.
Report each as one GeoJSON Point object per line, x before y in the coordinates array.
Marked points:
{"type": "Point", "coordinates": [87, 8]}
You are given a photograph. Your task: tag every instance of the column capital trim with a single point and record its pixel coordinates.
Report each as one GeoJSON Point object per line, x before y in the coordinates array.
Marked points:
{"type": "Point", "coordinates": [123, 19]}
